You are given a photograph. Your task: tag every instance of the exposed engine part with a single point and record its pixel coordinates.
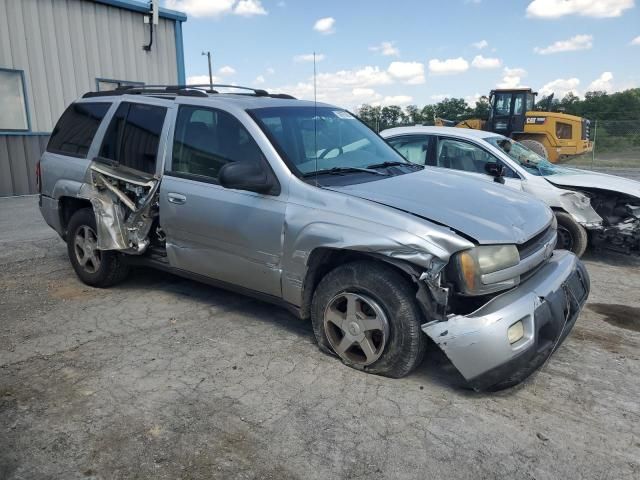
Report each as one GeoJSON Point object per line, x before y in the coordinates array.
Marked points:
{"type": "Point", "coordinates": [620, 230]}
{"type": "Point", "coordinates": [125, 203]}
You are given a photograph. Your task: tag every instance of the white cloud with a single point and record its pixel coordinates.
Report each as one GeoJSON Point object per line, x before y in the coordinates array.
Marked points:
{"type": "Point", "coordinates": [578, 42]}
{"type": "Point", "coordinates": [325, 25]}
{"type": "Point", "coordinates": [560, 87]}
{"type": "Point", "coordinates": [486, 63]}
{"type": "Point", "coordinates": [201, 80]}
{"type": "Point", "coordinates": [259, 80]}
{"type": "Point", "coordinates": [308, 57]}
{"type": "Point", "coordinates": [347, 88]}
{"type": "Point", "coordinates": [388, 49]}
{"type": "Point", "coordinates": [363, 92]}
{"type": "Point", "coordinates": [472, 99]}
{"type": "Point", "coordinates": [449, 66]}
{"type": "Point", "coordinates": [271, 71]}
{"type": "Point", "coordinates": [602, 83]}
{"type": "Point", "coordinates": [480, 45]}
{"type": "Point", "coordinates": [226, 70]}
{"type": "Point", "coordinates": [216, 8]}
{"type": "Point", "coordinates": [440, 97]}
{"type": "Point", "coordinates": [248, 8]}
{"type": "Point", "coordinates": [411, 73]}
{"type": "Point", "coordinates": [512, 77]}
{"type": "Point", "coordinates": [397, 100]}
{"type": "Point", "coordinates": [636, 41]}
{"type": "Point", "coordinates": [584, 8]}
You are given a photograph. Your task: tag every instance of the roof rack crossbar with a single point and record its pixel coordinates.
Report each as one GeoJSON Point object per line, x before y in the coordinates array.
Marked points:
{"type": "Point", "coordinates": [197, 90]}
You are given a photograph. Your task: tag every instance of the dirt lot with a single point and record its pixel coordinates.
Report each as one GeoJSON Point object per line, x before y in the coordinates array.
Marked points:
{"type": "Point", "coordinates": [166, 378]}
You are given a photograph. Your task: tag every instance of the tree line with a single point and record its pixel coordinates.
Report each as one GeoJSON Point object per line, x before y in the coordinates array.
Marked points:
{"type": "Point", "coordinates": [595, 106]}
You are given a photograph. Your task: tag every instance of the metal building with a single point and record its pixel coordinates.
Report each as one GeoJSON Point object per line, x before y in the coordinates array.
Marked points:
{"type": "Point", "coordinates": [53, 51]}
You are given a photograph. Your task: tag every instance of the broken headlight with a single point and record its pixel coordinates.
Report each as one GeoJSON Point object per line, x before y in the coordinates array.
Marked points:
{"type": "Point", "coordinates": [472, 264]}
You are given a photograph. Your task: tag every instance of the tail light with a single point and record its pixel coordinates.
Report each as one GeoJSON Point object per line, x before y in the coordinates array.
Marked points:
{"type": "Point", "coordinates": [38, 177]}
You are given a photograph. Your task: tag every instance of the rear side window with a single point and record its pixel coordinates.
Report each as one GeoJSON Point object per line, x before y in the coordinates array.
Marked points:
{"type": "Point", "coordinates": [133, 136]}
{"type": "Point", "coordinates": [76, 128]}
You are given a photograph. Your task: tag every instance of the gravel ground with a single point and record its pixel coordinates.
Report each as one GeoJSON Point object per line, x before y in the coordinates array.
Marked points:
{"type": "Point", "coordinates": [165, 378]}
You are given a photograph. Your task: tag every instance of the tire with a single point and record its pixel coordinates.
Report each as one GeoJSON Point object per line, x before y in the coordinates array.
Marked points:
{"type": "Point", "coordinates": [571, 235]}
{"type": "Point", "coordinates": [383, 293]}
{"type": "Point", "coordinates": [97, 268]}
{"type": "Point", "coordinates": [536, 147]}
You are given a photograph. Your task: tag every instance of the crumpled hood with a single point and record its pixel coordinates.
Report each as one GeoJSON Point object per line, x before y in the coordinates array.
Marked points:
{"type": "Point", "coordinates": [488, 212]}
{"type": "Point", "coordinates": [575, 178]}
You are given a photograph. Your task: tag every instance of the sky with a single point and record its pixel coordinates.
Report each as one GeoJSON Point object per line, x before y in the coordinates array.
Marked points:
{"type": "Point", "coordinates": [413, 51]}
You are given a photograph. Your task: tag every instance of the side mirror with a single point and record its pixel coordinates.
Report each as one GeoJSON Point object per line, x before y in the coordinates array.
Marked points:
{"type": "Point", "coordinates": [248, 176]}
{"type": "Point", "coordinates": [496, 170]}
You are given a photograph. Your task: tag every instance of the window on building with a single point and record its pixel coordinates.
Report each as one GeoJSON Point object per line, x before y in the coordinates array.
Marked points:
{"type": "Point", "coordinates": [105, 84]}
{"type": "Point", "coordinates": [133, 136]}
{"type": "Point", "coordinates": [13, 101]}
{"type": "Point", "coordinates": [563, 130]}
{"type": "Point", "coordinates": [207, 139]}
{"type": "Point", "coordinates": [76, 128]}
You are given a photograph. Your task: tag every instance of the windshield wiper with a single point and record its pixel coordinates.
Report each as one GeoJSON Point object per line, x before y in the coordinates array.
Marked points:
{"type": "Point", "coordinates": [394, 164]}
{"type": "Point", "coordinates": [343, 170]}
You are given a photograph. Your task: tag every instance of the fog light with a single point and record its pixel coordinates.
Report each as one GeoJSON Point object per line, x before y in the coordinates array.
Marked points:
{"type": "Point", "coordinates": [515, 332]}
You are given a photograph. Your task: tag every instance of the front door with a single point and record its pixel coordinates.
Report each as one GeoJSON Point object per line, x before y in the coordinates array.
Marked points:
{"type": "Point", "coordinates": [233, 236]}
{"type": "Point", "coordinates": [470, 158]}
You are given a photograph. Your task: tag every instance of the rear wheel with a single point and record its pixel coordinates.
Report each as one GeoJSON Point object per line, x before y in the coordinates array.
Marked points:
{"type": "Point", "coordinates": [366, 314]}
{"type": "Point", "coordinates": [571, 235]}
{"type": "Point", "coordinates": [98, 268]}
{"type": "Point", "coordinates": [536, 147]}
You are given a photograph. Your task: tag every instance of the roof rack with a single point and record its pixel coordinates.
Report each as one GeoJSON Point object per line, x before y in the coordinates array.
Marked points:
{"type": "Point", "coordinates": [198, 90]}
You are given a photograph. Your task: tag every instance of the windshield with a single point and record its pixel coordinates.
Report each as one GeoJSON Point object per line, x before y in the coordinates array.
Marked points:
{"type": "Point", "coordinates": [528, 159]}
{"type": "Point", "coordinates": [323, 138]}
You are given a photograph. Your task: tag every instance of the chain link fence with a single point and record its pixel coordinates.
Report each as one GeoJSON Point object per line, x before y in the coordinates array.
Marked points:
{"type": "Point", "coordinates": [616, 148]}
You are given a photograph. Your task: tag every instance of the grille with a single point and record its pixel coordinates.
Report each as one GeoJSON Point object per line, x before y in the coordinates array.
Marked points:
{"type": "Point", "coordinates": [533, 245]}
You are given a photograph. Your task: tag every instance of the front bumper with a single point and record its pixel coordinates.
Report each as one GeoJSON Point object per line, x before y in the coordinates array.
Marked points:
{"type": "Point", "coordinates": [547, 304]}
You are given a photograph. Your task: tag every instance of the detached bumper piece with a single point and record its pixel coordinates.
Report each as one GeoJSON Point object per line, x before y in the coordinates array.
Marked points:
{"type": "Point", "coordinates": [541, 311]}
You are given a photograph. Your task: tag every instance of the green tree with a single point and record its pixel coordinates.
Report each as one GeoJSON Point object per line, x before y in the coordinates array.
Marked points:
{"type": "Point", "coordinates": [482, 108]}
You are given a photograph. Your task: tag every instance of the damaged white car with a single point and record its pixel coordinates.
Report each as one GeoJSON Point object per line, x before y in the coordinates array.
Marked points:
{"type": "Point", "coordinates": [591, 208]}
{"type": "Point", "coordinates": [303, 205]}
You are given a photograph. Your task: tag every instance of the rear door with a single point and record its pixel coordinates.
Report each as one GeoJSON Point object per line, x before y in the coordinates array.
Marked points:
{"type": "Point", "coordinates": [232, 236]}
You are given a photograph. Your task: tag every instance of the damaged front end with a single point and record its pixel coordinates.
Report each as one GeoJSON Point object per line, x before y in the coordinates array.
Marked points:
{"type": "Point", "coordinates": [125, 203]}
{"type": "Point", "coordinates": [510, 335]}
{"type": "Point", "coordinates": [620, 228]}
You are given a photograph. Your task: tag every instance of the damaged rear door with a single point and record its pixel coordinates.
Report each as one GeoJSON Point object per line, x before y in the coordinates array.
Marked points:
{"type": "Point", "coordinates": [234, 236]}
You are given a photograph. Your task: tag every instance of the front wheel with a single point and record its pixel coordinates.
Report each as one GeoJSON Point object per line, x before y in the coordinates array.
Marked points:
{"type": "Point", "coordinates": [366, 314]}
{"type": "Point", "coordinates": [571, 235]}
{"type": "Point", "coordinates": [97, 268]}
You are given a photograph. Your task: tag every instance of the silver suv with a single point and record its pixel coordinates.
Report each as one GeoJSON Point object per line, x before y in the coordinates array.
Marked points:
{"type": "Point", "coordinates": [301, 204]}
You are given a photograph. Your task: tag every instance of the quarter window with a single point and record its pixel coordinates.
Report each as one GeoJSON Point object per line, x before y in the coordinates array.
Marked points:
{"type": "Point", "coordinates": [12, 99]}
{"type": "Point", "coordinates": [76, 128]}
{"type": "Point", "coordinates": [206, 139]}
{"type": "Point", "coordinates": [133, 137]}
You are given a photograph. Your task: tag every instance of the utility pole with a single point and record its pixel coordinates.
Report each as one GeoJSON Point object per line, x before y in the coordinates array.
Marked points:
{"type": "Point", "coordinates": [208, 54]}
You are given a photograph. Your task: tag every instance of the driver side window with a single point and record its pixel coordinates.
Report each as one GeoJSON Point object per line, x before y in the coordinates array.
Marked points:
{"type": "Point", "coordinates": [465, 156]}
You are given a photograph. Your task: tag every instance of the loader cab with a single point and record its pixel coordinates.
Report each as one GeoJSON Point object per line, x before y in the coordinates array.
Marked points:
{"type": "Point", "coordinates": [509, 109]}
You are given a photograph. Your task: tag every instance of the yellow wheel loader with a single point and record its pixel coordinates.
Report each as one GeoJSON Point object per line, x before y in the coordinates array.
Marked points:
{"type": "Point", "coordinates": [551, 134]}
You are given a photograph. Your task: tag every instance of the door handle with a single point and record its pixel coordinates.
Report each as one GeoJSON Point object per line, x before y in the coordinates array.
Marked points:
{"type": "Point", "coordinates": [176, 198]}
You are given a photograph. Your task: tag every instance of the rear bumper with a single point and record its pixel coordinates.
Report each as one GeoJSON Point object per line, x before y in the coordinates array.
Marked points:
{"type": "Point", "coordinates": [547, 304]}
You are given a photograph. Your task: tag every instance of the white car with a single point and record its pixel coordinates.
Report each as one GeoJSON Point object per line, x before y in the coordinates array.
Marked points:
{"type": "Point", "coordinates": [591, 208]}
